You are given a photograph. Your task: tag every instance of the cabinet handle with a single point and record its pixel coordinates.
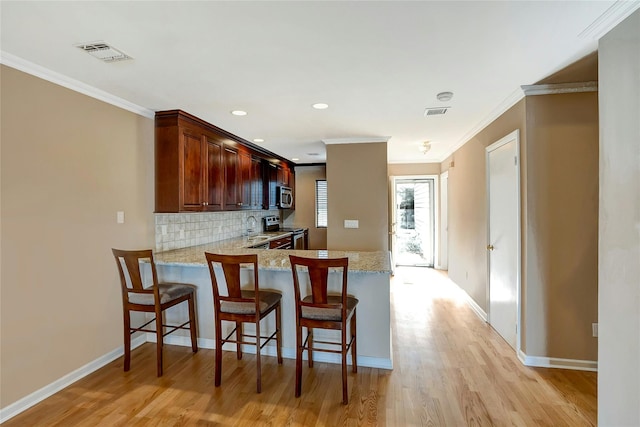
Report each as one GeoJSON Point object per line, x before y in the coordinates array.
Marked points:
{"type": "Point", "coordinates": [490, 247]}
{"type": "Point", "coordinates": [239, 204]}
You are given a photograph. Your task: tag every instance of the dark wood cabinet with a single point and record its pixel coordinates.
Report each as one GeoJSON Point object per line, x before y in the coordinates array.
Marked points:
{"type": "Point", "coordinates": [214, 172]}
{"type": "Point", "coordinates": [256, 183]}
{"type": "Point", "coordinates": [188, 168]}
{"type": "Point", "coordinates": [277, 175]}
{"type": "Point", "coordinates": [281, 243]}
{"type": "Point", "coordinates": [200, 167]}
{"type": "Point", "coordinates": [232, 190]}
{"type": "Point", "coordinates": [270, 185]}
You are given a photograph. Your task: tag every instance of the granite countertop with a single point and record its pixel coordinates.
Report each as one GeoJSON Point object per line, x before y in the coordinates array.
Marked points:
{"type": "Point", "coordinates": [273, 259]}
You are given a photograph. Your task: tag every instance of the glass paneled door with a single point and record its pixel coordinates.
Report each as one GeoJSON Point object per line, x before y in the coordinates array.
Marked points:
{"type": "Point", "coordinates": [414, 222]}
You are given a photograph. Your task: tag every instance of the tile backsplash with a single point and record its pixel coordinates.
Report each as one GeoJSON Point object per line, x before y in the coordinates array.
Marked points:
{"type": "Point", "coordinates": [174, 231]}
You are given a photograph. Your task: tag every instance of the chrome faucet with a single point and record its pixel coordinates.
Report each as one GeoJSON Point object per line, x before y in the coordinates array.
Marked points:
{"type": "Point", "coordinates": [252, 225]}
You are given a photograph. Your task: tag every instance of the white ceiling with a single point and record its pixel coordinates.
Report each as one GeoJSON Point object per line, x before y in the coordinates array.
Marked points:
{"type": "Point", "coordinates": [377, 64]}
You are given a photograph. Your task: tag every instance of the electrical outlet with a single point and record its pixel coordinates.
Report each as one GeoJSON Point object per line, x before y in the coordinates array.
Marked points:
{"type": "Point", "coordinates": [164, 230]}
{"type": "Point", "coordinates": [182, 234]}
{"type": "Point", "coordinates": [120, 217]}
{"type": "Point", "coordinates": [594, 329]}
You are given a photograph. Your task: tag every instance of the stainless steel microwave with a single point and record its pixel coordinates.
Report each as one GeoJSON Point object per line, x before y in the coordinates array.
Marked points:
{"type": "Point", "coordinates": [284, 198]}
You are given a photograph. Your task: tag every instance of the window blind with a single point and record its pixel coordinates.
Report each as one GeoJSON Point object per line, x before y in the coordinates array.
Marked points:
{"type": "Point", "coordinates": [321, 203]}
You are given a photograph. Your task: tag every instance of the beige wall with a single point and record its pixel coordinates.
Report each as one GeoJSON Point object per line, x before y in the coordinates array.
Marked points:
{"type": "Point", "coordinates": [561, 274]}
{"type": "Point", "coordinates": [357, 189]}
{"type": "Point", "coordinates": [305, 213]}
{"type": "Point", "coordinates": [69, 162]}
{"type": "Point", "coordinates": [467, 205]}
{"type": "Point", "coordinates": [559, 174]}
{"type": "Point", "coordinates": [619, 235]}
{"type": "Point", "coordinates": [403, 169]}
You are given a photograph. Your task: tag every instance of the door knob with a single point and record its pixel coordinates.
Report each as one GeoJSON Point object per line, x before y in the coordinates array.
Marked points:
{"type": "Point", "coordinates": [490, 247]}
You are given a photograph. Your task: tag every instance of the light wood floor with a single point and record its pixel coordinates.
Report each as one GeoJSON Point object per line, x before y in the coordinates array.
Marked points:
{"type": "Point", "coordinates": [451, 369]}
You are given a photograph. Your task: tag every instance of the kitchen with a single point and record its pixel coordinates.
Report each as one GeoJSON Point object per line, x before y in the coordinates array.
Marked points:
{"type": "Point", "coordinates": [65, 207]}
{"type": "Point", "coordinates": [201, 168]}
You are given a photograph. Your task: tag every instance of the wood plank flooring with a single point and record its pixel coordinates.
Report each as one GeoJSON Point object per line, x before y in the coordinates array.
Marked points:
{"type": "Point", "coordinates": [450, 369]}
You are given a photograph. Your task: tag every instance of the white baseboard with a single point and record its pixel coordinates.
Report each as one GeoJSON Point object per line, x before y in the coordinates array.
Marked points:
{"type": "Point", "coordinates": [554, 362]}
{"type": "Point", "coordinates": [287, 353]}
{"type": "Point", "coordinates": [37, 396]}
{"type": "Point", "coordinates": [474, 305]}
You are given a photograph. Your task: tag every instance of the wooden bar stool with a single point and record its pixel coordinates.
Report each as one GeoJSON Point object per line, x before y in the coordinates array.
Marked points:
{"type": "Point", "coordinates": [324, 311]}
{"type": "Point", "coordinates": [242, 306]}
{"type": "Point", "coordinates": [156, 299]}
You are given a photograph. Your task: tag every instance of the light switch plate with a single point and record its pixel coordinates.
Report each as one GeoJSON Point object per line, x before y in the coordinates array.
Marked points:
{"type": "Point", "coordinates": [351, 223]}
{"type": "Point", "coordinates": [120, 217]}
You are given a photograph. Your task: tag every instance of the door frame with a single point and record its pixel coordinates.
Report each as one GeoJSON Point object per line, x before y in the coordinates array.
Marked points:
{"type": "Point", "coordinates": [436, 214]}
{"type": "Point", "coordinates": [443, 231]}
{"type": "Point", "coordinates": [513, 136]}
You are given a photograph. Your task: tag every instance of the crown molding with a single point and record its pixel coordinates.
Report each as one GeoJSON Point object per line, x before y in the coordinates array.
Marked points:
{"type": "Point", "coordinates": [609, 19]}
{"type": "Point", "coordinates": [507, 103]}
{"type": "Point", "coordinates": [75, 85]}
{"type": "Point", "coordinates": [558, 88]}
{"type": "Point", "coordinates": [358, 140]}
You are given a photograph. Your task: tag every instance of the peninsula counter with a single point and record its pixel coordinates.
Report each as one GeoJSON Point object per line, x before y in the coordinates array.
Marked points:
{"type": "Point", "coordinates": [368, 280]}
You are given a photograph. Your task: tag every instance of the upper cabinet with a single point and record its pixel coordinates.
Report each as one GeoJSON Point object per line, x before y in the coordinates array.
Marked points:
{"type": "Point", "coordinates": [189, 169]}
{"type": "Point", "coordinates": [202, 168]}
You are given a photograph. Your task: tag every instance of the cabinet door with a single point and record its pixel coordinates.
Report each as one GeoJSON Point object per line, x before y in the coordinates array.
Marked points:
{"type": "Point", "coordinates": [214, 174]}
{"type": "Point", "coordinates": [256, 183]}
{"type": "Point", "coordinates": [192, 172]}
{"type": "Point", "coordinates": [245, 180]}
{"type": "Point", "coordinates": [231, 179]}
{"type": "Point", "coordinates": [285, 176]}
{"type": "Point", "coordinates": [292, 184]}
{"type": "Point", "coordinates": [272, 183]}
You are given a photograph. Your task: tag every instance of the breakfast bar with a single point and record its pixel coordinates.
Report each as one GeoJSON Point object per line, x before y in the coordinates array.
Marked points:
{"type": "Point", "coordinates": [368, 280]}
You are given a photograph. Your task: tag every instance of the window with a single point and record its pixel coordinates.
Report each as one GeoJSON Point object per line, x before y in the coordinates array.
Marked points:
{"type": "Point", "coordinates": [321, 203]}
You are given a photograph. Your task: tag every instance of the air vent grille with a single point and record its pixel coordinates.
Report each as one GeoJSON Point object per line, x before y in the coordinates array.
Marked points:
{"type": "Point", "coordinates": [434, 111]}
{"type": "Point", "coordinates": [103, 51]}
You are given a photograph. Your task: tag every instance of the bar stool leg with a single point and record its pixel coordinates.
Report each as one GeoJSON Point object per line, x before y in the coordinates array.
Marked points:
{"type": "Point", "coordinates": [193, 324]}
{"type": "Point", "coordinates": [345, 394]}
{"type": "Point", "coordinates": [127, 340]}
{"type": "Point", "coordinates": [279, 333]}
{"type": "Point", "coordinates": [310, 346]}
{"type": "Point", "coordinates": [239, 338]}
{"type": "Point", "coordinates": [354, 352]}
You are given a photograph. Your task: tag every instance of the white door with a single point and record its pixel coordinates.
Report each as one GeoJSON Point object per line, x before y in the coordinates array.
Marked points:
{"type": "Point", "coordinates": [444, 220]}
{"type": "Point", "coordinates": [503, 246]}
{"type": "Point", "coordinates": [414, 221]}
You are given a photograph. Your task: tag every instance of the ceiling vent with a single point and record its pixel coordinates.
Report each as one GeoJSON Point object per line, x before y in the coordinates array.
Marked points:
{"type": "Point", "coordinates": [103, 51]}
{"type": "Point", "coordinates": [434, 111]}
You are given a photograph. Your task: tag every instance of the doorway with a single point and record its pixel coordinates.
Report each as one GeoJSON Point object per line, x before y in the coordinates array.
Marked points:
{"type": "Point", "coordinates": [413, 230]}
{"type": "Point", "coordinates": [503, 234]}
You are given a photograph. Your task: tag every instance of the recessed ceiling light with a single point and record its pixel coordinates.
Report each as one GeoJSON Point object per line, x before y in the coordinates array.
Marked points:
{"type": "Point", "coordinates": [258, 140]}
{"type": "Point", "coordinates": [295, 159]}
{"type": "Point", "coordinates": [444, 96]}
{"type": "Point", "coordinates": [320, 106]}
{"type": "Point", "coordinates": [239, 113]}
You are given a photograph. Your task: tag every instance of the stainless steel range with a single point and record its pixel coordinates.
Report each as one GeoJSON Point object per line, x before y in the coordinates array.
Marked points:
{"type": "Point", "coordinates": [272, 223]}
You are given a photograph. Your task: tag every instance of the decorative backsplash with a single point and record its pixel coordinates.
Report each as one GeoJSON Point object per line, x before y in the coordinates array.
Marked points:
{"type": "Point", "coordinates": [174, 231]}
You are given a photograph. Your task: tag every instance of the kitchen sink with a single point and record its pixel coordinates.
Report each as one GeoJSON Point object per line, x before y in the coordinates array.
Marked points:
{"type": "Point", "coordinates": [258, 238]}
